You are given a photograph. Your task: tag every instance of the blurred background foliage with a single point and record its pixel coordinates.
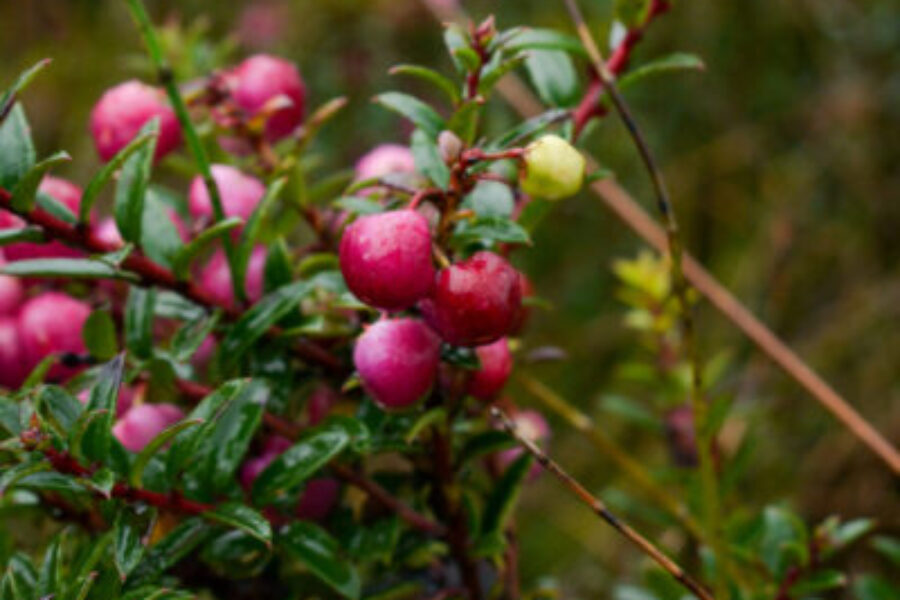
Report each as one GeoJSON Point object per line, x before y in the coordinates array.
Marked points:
{"type": "Point", "coordinates": [783, 161]}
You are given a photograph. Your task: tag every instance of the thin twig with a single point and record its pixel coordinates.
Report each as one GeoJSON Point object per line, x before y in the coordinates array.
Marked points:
{"type": "Point", "coordinates": [597, 505]}
{"type": "Point", "coordinates": [167, 80]}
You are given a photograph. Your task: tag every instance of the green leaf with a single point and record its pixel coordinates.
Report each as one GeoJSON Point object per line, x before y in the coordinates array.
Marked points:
{"type": "Point", "coordinates": [25, 234]}
{"type": "Point", "coordinates": [128, 531]}
{"type": "Point", "coordinates": [485, 443]}
{"type": "Point", "coordinates": [208, 411]}
{"type": "Point", "coordinates": [632, 13]}
{"type": "Point", "coordinates": [490, 199]}
{"type": "Point", "coordinates": [96, 439]}
{"type": "Point", "coordinates": [132, 186]}
{"type": "Point", "coordinates": [533, 213]}
{"type": "Point", "coordinates": [278, 270]}
{"type": "Point", "coordinates": [244, 518]}
{"type": "Point", "coordinates": [26, 188]}
{"type": "Point", "coordinates": [50, 577]}
{"type": "Point", "coordinates": [422, 115]}
{"type": "Point", "coordinates": [13, 475]}
{"type": "Point", "coordinates": [50, 481]}
{"type": "Point", "coordinates": [181, 262]}
{"type": "Point", "coordinates": [66, 268]}
{"type": "Point", "coordinates": [320, 553]}
{"type": "Point", "coordinates": [150, 450]}
{"type": "Point", "coordinates": [356, 205]}
{"type": "Point", "coordinates": [330, 186]}
{"type": "Point", "coordinates": [376, 542]}
{"type": "Point", "coordinates": [223, 450]}
{"type": "Point", "coordinates": [543, 39]}
{"type": "Point", "coordinates": [21, 82]}
{"type": "Point", "coordinates": [851, 531]}
{"type": "Point", "coordinates": [80, 429]}
{"type": "Point", "coordinates": [17, 154]}
{"type": "Point", "coordinates": [102, 481]}
{"type": "Point", "coordinates": [489, 230]}
{"type": "Point", "coordinates": [782, 533]}
{"type": "Point", "coordinates": [58, 407]}
{"type": "Point", "coordinates": [188, 339]}
{"type": "Point", "coordinates": [502, 501]}
{"type": "Point", "coordinates": [457, 42]}
{"type": "Point", "coordinates": [554, 77]}
{"type": "Point", "coordinates": [428, 159]}
{"type": "Point", "coordinates": [105, 175]}
{"type": "Point", "coordinates": [160, 239]}
{"type": "Point", "coordinates": [529, 128]}
{"type": "Point", "coordinates": [888, 546]}
{"type": "Point", "coordinates": [22, 575]}
{"type": "Point", "coordinates": [139, 313]}
{"type": "Point", "coordinates": [99, 334]}
{"type": "Point", "coordinates": [819, 581]}
{"type": "Point", "coordinates": [177, 544]}
{"type": "Point", "coordinates": [870, 587]}
{"type": "Point", "coordinates": [677, 61]}
{"type": "Point", "coordinates": [426, 419]}
{"type": "Point", "coordinates": [495, 73]}
{"type": "Point", "coordinates": [445, 84]}
{"type": "Point", "coordinates": [254, 323]}
{"type": "Point", "coordinates": [250, 233]}
{"type": "Point", "coordinates": [314, 450]}
{"type": "Point", "coordinates": [56, 208]}
{"type": "Point", "coordinates": [464, 121]}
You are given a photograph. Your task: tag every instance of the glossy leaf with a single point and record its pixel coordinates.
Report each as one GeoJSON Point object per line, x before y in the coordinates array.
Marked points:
{"type": "Point", "coordinates": [278, 270]}
{"type": "Point", "coordinates": [456, 41]}
{"type": "Point", "coordinates": [244, 518]}
{"type": "Point", "coordinates": [181, 262]}
{"type": "Point", "coordinates": [25, 234]}
{"type": "Point", "coordinates": [50, 576]}
{"type": "Point", "coordinates": [889, 547]}
{"type": "Point", "coordinates": [678, 61]}
{"type": "Point", "coordinates": [529, 128]}
{"type": "Point", "coordinates": [65, 268]}
{"type": "Point", "coordinates": [422, 115]}
{"type": "Point", "coordinates": [106, 174]}
{"type": "Point", "coordinates": [59, 407]}
{"type": "Point", "coordinates": [155, 445]}
{"type": "Point", "coordinates": [528, 38]}
{"type": "Point", "coordinates": [490, 230]}
{"type": "Point", "coordinates": [291, 468]}
{"type": "Point", "coordinates": [250, 233]}
{"type": "Point", "coordinates": [26, 188]}
{"type": "Point", "coordinates": [160, 239]}
{"type": "Point", "coordinates": [321, 554]}
{"type": "Point", "coordinates": [128, 548]}
{"type": "Point", "coordinates": [188, 339]}
{"type": "Point", "coordinates": [132, 186]}
{"type": "Point", "coordinates": [168, 551]}
{"type": "Point", "coordinates": [428, 159]}
{"type": "Point", "coordinates": [490, 199]}
{"type": "Point", "coordinates": [139, 313]}
{"type": "Point", "coordinates": [445, 84]}
{"type": "Point", "coordinates": [495, 73]}
{"type": "Point", "coordinates": [95, 441]}
{"type": "Point", "coordinates": [554, 77]}
{"type": "Point", "coordinates": [99, 334]}
{"type": "Point", "coordinates": [17, 154]}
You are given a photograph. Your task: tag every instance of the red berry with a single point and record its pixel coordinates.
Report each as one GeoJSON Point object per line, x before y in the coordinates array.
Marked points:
{"type": "Point", "coordinates": [386, 259]}
{"type": "Point", "coordinates": [144, 422]}
{"type": "Point", "coordinates": [215, 277]}
{"type": "Point", "coordinates": [496, 365]}
{"type": "Point", "coordinates": [240, 193]}
{"type": "Point", "coordinates": [262, 78]}
{"type": "Point", "coordinates": [12, 292]}
{"type": "Point", "coordinates": [397, 360]}
{"type": "Point", "coordinates": [66, 193]}
{"type": "Point", "coordinates": [51, 323]}
{"type": "Point", "coordinates": [13, 369]}
{"type": "Point", "coordinates": [475, 301]}
{"type": "Point", "coordinates": [121, 113]}
{"type": "Point", "coordinates": [384, 160]}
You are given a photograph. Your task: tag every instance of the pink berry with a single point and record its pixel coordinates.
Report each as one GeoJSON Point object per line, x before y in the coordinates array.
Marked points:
{"type": "Point", "coordinates": [475, 301]}
{"type": "Point", "coordinates": [144, 422]}
{"type": "Point", "coordinates": [386, 259]}
{"type": "Point", "coordinates": [51, 323]}
{"type": "Point", "coordinates": [108, 232]}
{"type": "Point", "coordinates": [12, 292]}
{"type": "Point", "coordinates": [496, 365]}
{"type": "Point", "coordinates": [240, 193]}
{"type": "Point", "coordinates": [215, 277]}
{"type": "Point", "coordinates": [13, 369]}
{"type": "Point", "coordinates": [318, 498]}
{"type": "Point", "coordinates": [262, 78]}
{"type": "Point", "coordinates": [66, 193]}
{"type": "Point", "coordinates": [320, 403]}
{"type": "Point", "coordinates": [533, 426]}
{"type": "Point", "coordinates": [121, 113]}
{"type": "Point", "coordinates": [397, 360]}
{"type": "Point", "coordinates": [384, 160]}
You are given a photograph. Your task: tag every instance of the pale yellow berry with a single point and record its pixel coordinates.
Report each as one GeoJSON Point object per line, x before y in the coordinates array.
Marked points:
{"type": "Point", "coordinates": [554, 169]}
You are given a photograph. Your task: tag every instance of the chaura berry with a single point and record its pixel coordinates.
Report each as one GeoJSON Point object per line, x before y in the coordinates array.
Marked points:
{"type": "Point", "coordinates": [144, 422]}
{"type": "Point", "coordinates": [13, 369]}
{"type": "Point", "coordinates": [496, 365]}
{"type": "Point", "coordinates": [240, 193]}
{"type": "Point", "coordinates": [475, 301]}
{"type": "Point", "coordinates": [121, 113]}
{"type": "Point", "coordinates": [51, 323]}
{"type": "Point", "coordinates": [553, 168]}
{"type": "Point", "coordinates": [397, 360]}
{"type": "Point", "coordinates": [261, 79]}
{"type": "Point", "coordinates": [386, 259]}
{"type": "Point", "coordinates": [215, 277]}
{"type": "Point", "coordinates": [384, 160]}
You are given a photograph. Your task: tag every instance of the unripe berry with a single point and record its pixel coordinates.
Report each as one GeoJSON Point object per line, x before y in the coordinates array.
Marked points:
{"type": "Point", "coordinates": [215, 277]}
{"type": "Point", "coordinates": [397, 360]}
{"type": "Point", "coordinates": [496, 365]}
{"type": "Point", "coordinates": [11, 292]}
{"type": "Point", "coordinates": [554, 169]}
{"type": "Point", "coordinates": [121, 113]}
{"type": "Point", "coordinates": [259, 80]}
{"type": "Point", "coordinates": [66, 193]}
{"type": "Point", "coordinates": [384, 160]}
{"type": "Point", "coordinates": [532, 426]}
{"type": "Point", "coordinates": [13, 369]}
{"type": "Point", "coordinates": [386, 259]}
{"type": "Point", "coordinates": [144, 422]}
{"type": "Point", "coordinates": [475, 301]}
{"type": "Point", "coordinates": [52, 323]}
{"type": "Point", "coordinates": [240, 193]}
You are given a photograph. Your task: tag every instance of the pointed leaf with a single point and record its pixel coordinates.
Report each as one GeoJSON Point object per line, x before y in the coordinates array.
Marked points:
{"type": "Point", "coordinates": [250, 232]}
{"type": "Point", "coordinates": [128, 530]}
{"type": "Point", "coordinates": [678, 61]}
{"type": "Point", "coordinates": [554, 77]}
{"type": "Point", "coordinates": [320, 553]}
{"type": "Point", "coordinates": [26, 188]}
{"type": "Point", "coordinates": [98, 431]}
{"type": "Point", "coordinates": [431, 76]}
{"type": "Point", "coordinates": [105, 175]}
{"type": "Point", "coordinates": [151, 449]}
{"type": "Point", "coordinates": [168, 551]}
{"type": "Point", "coordinates": [17, 154]}
{"type": "Point", "coordinates": [25, 234]}
{"type": "Point", "coordinates": [99, 335]}
{"type": "Point", "coordinates": [244, 518]}
{"type": "Point", "coordinates": [422, 115]}
{"type": "Point", "coordinates": [50, 576]}
{"type": "Point", "coordinates": [428, 159]}
{"type": "Point", "coordinates": [58, 407]}
{"type": "Point", "coordinates": [139, 312]}
{"type": "Point", "coordinates": [66, 268]}
{"type": "Point", "coordinates": [132, 186]}
{"type": "Point", "coordinates": [160, 239]}
{"type": "Point", "coordinates": [543, 39]}
{"type": "Point", "coordinates": [503, 498]}
{"type": "Point", "coordinates": [181, 262]}
{"type": "Point", "coordinates": [21, 82]}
